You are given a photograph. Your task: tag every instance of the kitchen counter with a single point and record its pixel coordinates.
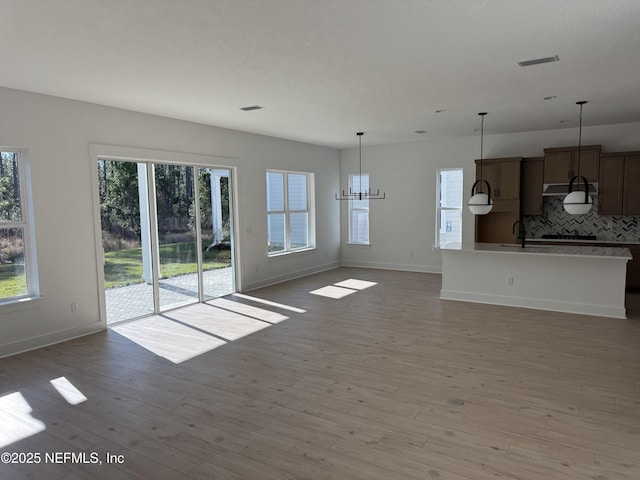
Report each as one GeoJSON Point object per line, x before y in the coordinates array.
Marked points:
{"type": "Point", "coordinates": [558, 250]}
{"type": "Point", "coordinates": [633, 241]}
{"type": "Point", "coordinates": [585, 279]}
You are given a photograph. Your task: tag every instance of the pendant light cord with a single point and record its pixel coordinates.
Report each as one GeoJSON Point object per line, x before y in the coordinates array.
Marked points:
{"type": "Point", "coordinates": [481, 146]}
{"type": "Point", "coordinates": [360, 152]}
{"type": "Point", "coordinates": [580, 136]}
{"type": "Point", "coordinates": [482, 114]}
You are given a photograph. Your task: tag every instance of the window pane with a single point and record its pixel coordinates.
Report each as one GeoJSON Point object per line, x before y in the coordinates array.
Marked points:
{"type": "Point", "coordinates": [275, 232]}
{"type": "Point", "coordinates": [359, 184]}
{"type": "Point", "coordinates": [359, 210]}
{"type": "Point", "coordinates": [359, 226]}
{"type": "Point", "coordinates": [451, 189]}
{"type": "Point", "coordinates": [297, 185]}
{"type": "Point", "coordinates": [450, 227]}
{"type": "Point", "coordinates": [10, 208]}
{"type": "Point", "coordinates": [449, 206]}
{"type": "Point", "coordinates": [13, 279]}
{"type": "Point", "coordinates": [275, 192]}
{"type": "Point", "coordinates": [299, 230]}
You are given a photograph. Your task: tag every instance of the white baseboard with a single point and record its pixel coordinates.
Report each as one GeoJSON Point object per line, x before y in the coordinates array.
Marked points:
{"type": "Point", "coordinates": [535, 303]}
{"type": "Point", "coordinates": [40, 341]}
{"type": "Point", "coordinates": [403, 267]}
{"type": "Point", "coordinates": [289, 276]}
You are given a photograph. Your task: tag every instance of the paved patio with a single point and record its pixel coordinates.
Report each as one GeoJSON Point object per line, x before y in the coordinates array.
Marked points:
{"type": "Point", "coordinates": [133, 301]}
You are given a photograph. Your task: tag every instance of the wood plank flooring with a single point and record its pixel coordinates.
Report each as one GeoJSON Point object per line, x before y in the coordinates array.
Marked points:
{"type": "Point", "coordinates": [388, 382]}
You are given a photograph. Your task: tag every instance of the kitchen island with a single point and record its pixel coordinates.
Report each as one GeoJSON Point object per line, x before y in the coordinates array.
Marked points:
{"type": "Point", "coordinates": [576, 279]}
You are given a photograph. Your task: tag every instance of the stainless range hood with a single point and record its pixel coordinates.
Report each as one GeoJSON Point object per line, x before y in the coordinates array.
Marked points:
{"type": "Point", "coordinates": [555, 189]}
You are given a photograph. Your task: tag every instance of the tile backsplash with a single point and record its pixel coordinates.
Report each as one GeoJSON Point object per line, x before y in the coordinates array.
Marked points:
{"type": "Point", "coordinates": [554, 220]}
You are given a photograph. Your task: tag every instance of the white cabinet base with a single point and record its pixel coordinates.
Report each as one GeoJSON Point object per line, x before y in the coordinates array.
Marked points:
{"type": "Point", "coordinates": [537, 278]}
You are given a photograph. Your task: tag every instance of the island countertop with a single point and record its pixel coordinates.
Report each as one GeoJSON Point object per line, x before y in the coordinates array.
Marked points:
{"type": "Point", "coordinates": [621, 253]}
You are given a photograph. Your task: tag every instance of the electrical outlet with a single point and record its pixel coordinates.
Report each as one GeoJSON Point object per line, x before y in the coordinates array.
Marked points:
{"type": "Point", "coordinates": [75, 307]}
{"type": "Point", "coordinates": [510, 280]}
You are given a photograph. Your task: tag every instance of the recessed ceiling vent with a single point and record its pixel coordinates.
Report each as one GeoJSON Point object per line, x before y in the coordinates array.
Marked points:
{"type": "Point", "coordinates": [538, 61]}
{"type": "Point", "coordinates": [252, 107]}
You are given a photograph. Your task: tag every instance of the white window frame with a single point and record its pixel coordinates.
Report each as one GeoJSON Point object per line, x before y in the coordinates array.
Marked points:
{"type": "Point", "coordinates": [440, 191]}
{"type": "Point", "coordinates": [28, 228]}
{"type": "Point", "coordinates": [310, 211]}
{"type": "Point", "coordinates": [354, 186]}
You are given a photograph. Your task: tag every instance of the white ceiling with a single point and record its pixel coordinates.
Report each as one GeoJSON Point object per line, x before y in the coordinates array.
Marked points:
{"type": "Point", "coordinates": [325, 69]}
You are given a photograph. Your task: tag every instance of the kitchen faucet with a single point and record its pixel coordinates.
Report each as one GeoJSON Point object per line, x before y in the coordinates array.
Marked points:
{"type": "Point", "coordinates": [521, 230]}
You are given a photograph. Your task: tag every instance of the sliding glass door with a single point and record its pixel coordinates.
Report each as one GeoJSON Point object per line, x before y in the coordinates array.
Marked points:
{"type": "Point", "coordinates": [166, 235]}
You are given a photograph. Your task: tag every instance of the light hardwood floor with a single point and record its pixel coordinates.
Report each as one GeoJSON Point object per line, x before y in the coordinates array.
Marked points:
{"type": "Point", "coordinates": [388, 382]}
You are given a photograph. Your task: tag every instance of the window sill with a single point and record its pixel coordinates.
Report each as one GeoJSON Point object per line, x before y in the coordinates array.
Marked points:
{"type": "Point", "coordinates": [359, 245]}
{"type": "Point", "coordinates": [291, 252]}
{"type": "Point", "coordinates": [19, 304]}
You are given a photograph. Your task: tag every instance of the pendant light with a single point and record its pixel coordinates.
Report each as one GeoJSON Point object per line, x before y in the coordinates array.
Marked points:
{"type": "Point", "coordinates": [361, 194]}
{"type": "Point", "coordinates": [480, 203]}
{"type": "Point", "coordinates": [578, 202]}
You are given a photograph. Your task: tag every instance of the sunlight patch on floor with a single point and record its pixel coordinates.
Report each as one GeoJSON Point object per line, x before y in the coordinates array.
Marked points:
{"type": "Point", "coordinates": [248, 310]}
{"type": "Point", "coordinates": [16, 420]}
{"type": "Point", "coordinates": [221, 323]}
{"type": "Point", "coordinates": [269, 302]}
{"type": "Point", "coordinates": [332, 291]}
{"type": "Point", "coordinates": [68, 390]}
{"type": "Point", "coordinates": [355, 284]}
{"type": "Point", "coordinates": [167, 338]}
{"type": "Point", "coordinates": [343, 288]}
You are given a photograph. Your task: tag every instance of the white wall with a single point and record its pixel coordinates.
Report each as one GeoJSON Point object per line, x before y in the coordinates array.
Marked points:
{"type": "Point", "coordinates": [403, 226]}
{"type": "Point", "coordinates": [56, 134]}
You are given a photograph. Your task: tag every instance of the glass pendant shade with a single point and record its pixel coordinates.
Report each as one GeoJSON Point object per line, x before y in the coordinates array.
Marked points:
{"type": "Point", "coordinates": [480, 204]}
{"type": "Point", "coordinates": [574, 203]}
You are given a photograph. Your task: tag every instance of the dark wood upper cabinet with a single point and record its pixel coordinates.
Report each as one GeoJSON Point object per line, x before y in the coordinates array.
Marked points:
{"type": "Point", "coordinates": [631, 194]}
{"type": "Point", "coordinates": [618, 191]}
{"type": "Point", "coordinates": [561, 164]}
{"type": "Point", "coordinates": [503, 174]}
{"type": "Point", "coordinates": [531, 187]}
{"type": "Point", "coordinates": [611, 184]}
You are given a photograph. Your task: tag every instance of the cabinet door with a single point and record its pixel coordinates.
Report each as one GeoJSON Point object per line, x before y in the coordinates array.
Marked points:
{"type": "Point", "coordinates": [631, 199]}
{"type": "Point", "coordinates": [509, 180]}
{"type": "Point", "coordinates": [490, 173]}
{"type": "Point", "coordinates": [531, 194]}
{"type": "Point", "coordinates": [589, 164]}
{"type": "Point", "coordinates": [557, 167]}
{"type": "Point", "coordinates": [611, 184]}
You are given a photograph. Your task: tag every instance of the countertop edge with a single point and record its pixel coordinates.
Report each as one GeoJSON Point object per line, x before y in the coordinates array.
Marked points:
{"type": "Point", "coordinates": [622, 253]}
{"type": "Point", "coordinates": [586, 242]}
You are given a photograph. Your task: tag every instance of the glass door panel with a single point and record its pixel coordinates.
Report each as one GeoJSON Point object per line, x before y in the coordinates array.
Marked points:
{"type": "Point", "coordinates": [126, 246]}
{"type": "Point", "coordinates": [214, 186]}
{"type": "Point", "coordinates": [177, 244]}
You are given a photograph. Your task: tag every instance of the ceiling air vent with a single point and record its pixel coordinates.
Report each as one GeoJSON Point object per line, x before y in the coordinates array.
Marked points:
{"type": "Point", "coordinates": [538, 61]}
{"type": "Point", "coordinates": [252, 107]}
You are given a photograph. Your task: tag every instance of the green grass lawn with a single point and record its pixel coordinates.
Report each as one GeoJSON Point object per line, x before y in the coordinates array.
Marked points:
{"type": "Point", "coordinates": [124, 267]}
{"type": "Point", "coordinates": [12, 280]}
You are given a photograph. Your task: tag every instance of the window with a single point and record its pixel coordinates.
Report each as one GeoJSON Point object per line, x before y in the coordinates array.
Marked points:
{"type": "Point", "coordinates": [290, 222]}
{"type": "Point", "coordinates": [359, 211]}
{"type": "Point", "coordinates": [449, 208]}
{"type": "Point", "coordinates": [15, 279]}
